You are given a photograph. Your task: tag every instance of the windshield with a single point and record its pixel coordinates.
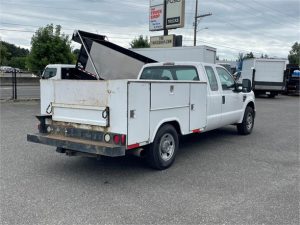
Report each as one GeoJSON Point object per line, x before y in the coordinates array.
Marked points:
{"type": "Point", "coordinates": [49, 72]}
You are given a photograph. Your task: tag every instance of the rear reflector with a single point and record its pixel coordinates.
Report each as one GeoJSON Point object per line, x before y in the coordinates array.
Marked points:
{"type": "Point", "coordinates": [196, 131]}
{"type": "Point", "coordinates": [123, 139]}
{"type": "Point", "coordinates": [117, 139]}
{"type": "Point", "coordinates": [133, 146]}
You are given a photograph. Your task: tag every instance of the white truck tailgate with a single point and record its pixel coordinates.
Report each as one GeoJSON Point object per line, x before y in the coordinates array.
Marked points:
{"type": "Point", "coordinates": [80, 102]}
{"type": "Point", "coordinates": [87, 102]}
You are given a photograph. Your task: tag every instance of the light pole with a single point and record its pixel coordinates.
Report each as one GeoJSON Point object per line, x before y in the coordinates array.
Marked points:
{"type": "Point", "coordinates": [196, 21]}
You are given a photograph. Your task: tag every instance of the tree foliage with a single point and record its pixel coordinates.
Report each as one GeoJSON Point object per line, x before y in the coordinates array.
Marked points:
{"type": "Point", "coordinates": [49, 46]}
{"type": "Point", "coordinates": [4, 54]}
{"type": "Point", "coordinates": [249, 56]}
{"type": "Point", "coordinates": [18, 62]}
{"type": "Point", "coordinates": [294, 56]}
{"type": "Point", "coordinates": [140, 42]}
{"type": "Point", "coordinates": [12, 55]}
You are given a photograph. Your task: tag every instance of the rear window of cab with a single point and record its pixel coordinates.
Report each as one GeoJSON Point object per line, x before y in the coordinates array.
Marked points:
{"type": "Point", "coordinates": [183, 73]}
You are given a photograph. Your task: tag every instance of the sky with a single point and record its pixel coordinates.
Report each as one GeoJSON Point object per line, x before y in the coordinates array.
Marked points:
{"type": "Point", "coordinates": [236, 26]}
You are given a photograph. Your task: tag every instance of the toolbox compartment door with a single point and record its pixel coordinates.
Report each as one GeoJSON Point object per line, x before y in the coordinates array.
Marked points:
{"type": "Point", "coordinates": [198, 107]}
{"type": "Point", "coordinates": [138, 112]}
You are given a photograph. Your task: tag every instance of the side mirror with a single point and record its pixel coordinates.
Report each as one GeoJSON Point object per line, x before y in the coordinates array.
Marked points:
{"type": "Point", "coordinates": [238, 87]}
{"type": "Point", "coordinates": [246, 85]}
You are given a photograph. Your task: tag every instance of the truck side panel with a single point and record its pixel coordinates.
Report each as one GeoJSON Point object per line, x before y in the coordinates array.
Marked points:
{"type": "Point", "coordinates": [117, 102]}
{"type": "Point", "coordinates": [172, 102]}
{"type": "Point", "coordinates": [198, 106]}
{"type": "Point", "coordinates": [138, 112]}
{"type": "Point", "coordinates": [169, 95]}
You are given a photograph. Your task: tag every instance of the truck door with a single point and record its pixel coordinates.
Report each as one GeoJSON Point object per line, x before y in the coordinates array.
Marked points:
{"type": "Point", "coordinates": [214, 100]}
{"type": "Point", "coordinates": [232, 102]}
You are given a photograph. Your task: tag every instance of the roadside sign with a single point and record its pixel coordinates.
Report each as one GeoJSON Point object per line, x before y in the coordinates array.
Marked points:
{"type": "Point", "coordinates": [175, 14]}
{"type": "Point", "coordinates": [166, 41]}
{"type": "Point", "coordinates": [156, 18]}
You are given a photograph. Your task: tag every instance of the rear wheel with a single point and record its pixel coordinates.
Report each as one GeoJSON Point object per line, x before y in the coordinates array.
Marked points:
{"type": "Point", "coordinates": [272, 95]}
{"type": "Point", "coordinates": [248, 122]}
{"type": "Point", "coordinates": [161, 153]}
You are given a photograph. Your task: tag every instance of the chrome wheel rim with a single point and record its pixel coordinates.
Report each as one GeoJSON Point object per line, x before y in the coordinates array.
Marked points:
{"type": "Point", "coordinates": [166, 147]}
{"type": "Point", "coordinates": [249, 121]}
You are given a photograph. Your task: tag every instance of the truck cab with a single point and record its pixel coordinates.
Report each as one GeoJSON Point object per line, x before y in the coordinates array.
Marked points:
{"type": "Point", "coordinates": [57, 71]}
{"type": "Point", "coordinates": [225, 100]}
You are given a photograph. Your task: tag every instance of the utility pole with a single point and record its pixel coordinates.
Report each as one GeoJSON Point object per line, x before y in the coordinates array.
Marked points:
{"type": "Point", "coordinates": [165, 18]}
{"type": "Point", "coordinates": [196, 21]}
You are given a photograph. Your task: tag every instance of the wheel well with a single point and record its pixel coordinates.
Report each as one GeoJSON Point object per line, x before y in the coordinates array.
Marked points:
{"type": "Point", "coordinates": [175, 124]}
{"type": "Point", "coordinates": [251, 104]}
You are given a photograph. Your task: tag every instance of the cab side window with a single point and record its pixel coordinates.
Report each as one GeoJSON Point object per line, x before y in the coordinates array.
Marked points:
{"type": "Point", "coordinates": [211, 78]}
{"type": "Point", "coordinates": [49, 72]}
{"type": "Point", "coordinates": [225, 78]}
{"type": "Point", "coordinates": [166, 75]}
{"type": "Point", "coordinates": [187, 73]}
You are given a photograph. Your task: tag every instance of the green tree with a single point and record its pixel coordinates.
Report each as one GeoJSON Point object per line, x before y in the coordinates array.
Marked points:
{"type": "Point", "coordinates": [12, 55]}
{"type": "Point", "coordinates": [49, 46]}
{"type": "Point", "coordinates": [140, 42]}
{"type": "Point", "coordinates": [249, 56]}
{"type": "Point", "coordinates": [17, 62]}
{"type": "Point", "coordinates": [4, 54]}
{"type": "Point", "coordinates": [294, 56]}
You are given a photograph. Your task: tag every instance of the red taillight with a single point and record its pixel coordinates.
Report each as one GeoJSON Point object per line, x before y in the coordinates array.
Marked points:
{"type": "Point", "coordinates": [116, 139]}
{"type": "Point", "coordinates": [123, 139]}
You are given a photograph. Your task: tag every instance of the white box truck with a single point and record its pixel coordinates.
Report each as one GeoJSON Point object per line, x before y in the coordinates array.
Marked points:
{"type": "Point", "coordinates": [266, 75]}
{"type": "Point", "coordinates": [200, 53]}
{"type": "Point", "coordinates": [144, 116]}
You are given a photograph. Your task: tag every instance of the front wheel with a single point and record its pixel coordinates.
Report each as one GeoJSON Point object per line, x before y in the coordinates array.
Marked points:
{"type": "Point", "coordinates": [161, 153]}
{"type": "Point", "coordinates": [248, 122]}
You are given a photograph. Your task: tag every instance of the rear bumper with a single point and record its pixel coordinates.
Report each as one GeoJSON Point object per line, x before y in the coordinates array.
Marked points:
{"type": "Point", "coordinates": [78, 145]}
{"type": "Point", "coordinates": [269, 86]}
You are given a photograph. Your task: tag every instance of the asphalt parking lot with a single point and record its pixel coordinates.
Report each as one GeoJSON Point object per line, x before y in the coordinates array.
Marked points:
{"type": "Point", "coordinates": [218, 177]}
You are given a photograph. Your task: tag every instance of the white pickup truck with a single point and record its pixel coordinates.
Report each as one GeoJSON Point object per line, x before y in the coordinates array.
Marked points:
{"type": "Point", "coordinates": [57, 71]}
{"type": "Point", "coordinates": [166, 101]}
{"type": "Point", "coordinates": [146, 115]}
